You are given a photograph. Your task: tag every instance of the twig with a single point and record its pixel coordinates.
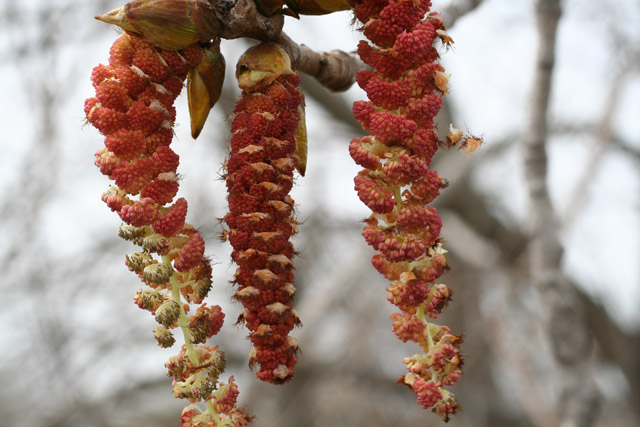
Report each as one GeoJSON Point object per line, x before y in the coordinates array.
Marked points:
{"type": "Point", "coordinates": [336, 70]}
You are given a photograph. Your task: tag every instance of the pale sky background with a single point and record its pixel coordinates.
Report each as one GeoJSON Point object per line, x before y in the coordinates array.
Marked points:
{"type": "Point", "coordinates": [491, 67]}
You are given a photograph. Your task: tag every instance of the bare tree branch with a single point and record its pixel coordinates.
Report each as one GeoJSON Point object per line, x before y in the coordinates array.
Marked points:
{"type": "Point", "coordinates": [616, 142]}
{"type": "Point", "coordinates": [570, 343]}
{"type": "Point", "coordinates": [457, 9]}
{"type": "Point", "coordinates": [511, 345]}
{"type": "Point", "coordinates": [604, 136]}
{"type": "Point", "coordinates": [335, 70]}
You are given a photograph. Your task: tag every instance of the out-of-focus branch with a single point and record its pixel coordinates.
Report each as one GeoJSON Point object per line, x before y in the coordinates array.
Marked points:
{"type": "Point", "coordinates": [604, 137]}
{"type": "Point", "coordinates": [457, 9]}
{"type": "Point", "coordinates": [336, 70]}
{"type": "Point", "coordinates": [510, 344]}
{"type": "Point", "coordinates": [570, 343]}
{"type": "Point", "coordinates": [545, 250]}
{"type": "Point", "coordinates": [622, 145]}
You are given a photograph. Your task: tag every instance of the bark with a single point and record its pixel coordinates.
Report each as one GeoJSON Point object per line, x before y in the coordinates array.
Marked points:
{"type": "Point", "coordinates": [335, 70]}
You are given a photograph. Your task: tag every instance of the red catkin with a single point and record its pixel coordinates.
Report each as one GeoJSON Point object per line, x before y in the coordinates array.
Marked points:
{"type": "Point", "coordinates": [404, 89]}
{"type": "Point", "coordinates": [259, 178]}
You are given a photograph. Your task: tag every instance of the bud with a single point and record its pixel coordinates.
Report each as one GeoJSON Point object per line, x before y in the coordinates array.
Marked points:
{"type": "Point", "coordinates": [204, 85]}
{"type": "Point", "coordinates": [261, 65]}
{"type": "Point", "coordinates": [168, 24]}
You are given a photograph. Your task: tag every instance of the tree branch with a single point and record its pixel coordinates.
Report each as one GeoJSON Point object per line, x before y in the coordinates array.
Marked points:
{"type": "Point", "coordinates": [336, 70]}
{"type": "Point", "coordinates": [241, 18]}
{"type": "Point", "coordinates": [457, 9]}
{"type": "Point", "coordinates": [571, 345]}
{"type": "Point", "coordinates": [604, 139]}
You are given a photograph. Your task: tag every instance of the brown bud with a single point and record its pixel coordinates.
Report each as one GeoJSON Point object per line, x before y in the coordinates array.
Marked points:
{"type": "Point", "coordinates": [168, 24]}
{"type": "Point", "coordinates": [204, 85]}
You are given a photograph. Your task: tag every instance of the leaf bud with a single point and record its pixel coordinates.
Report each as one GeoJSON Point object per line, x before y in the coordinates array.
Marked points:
{"type": "Point", "coordinates": [168, 24]}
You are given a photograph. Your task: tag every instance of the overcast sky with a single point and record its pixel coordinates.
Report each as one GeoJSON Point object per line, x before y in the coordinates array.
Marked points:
{"type": "Point", "coordinates": [491, 66]}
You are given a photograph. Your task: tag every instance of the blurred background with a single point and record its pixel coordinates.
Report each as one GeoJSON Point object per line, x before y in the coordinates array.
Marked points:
{"type": "Point", "coordinates": [76, 351]}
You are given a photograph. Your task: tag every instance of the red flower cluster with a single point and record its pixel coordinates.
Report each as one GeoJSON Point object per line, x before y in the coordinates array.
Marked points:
{"type": "Point", "coordinates": [259, 178]}
{"type": "Point", "coordinates": [404, 90]}
{"type": "Point", "coordinates": [133, 108]}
